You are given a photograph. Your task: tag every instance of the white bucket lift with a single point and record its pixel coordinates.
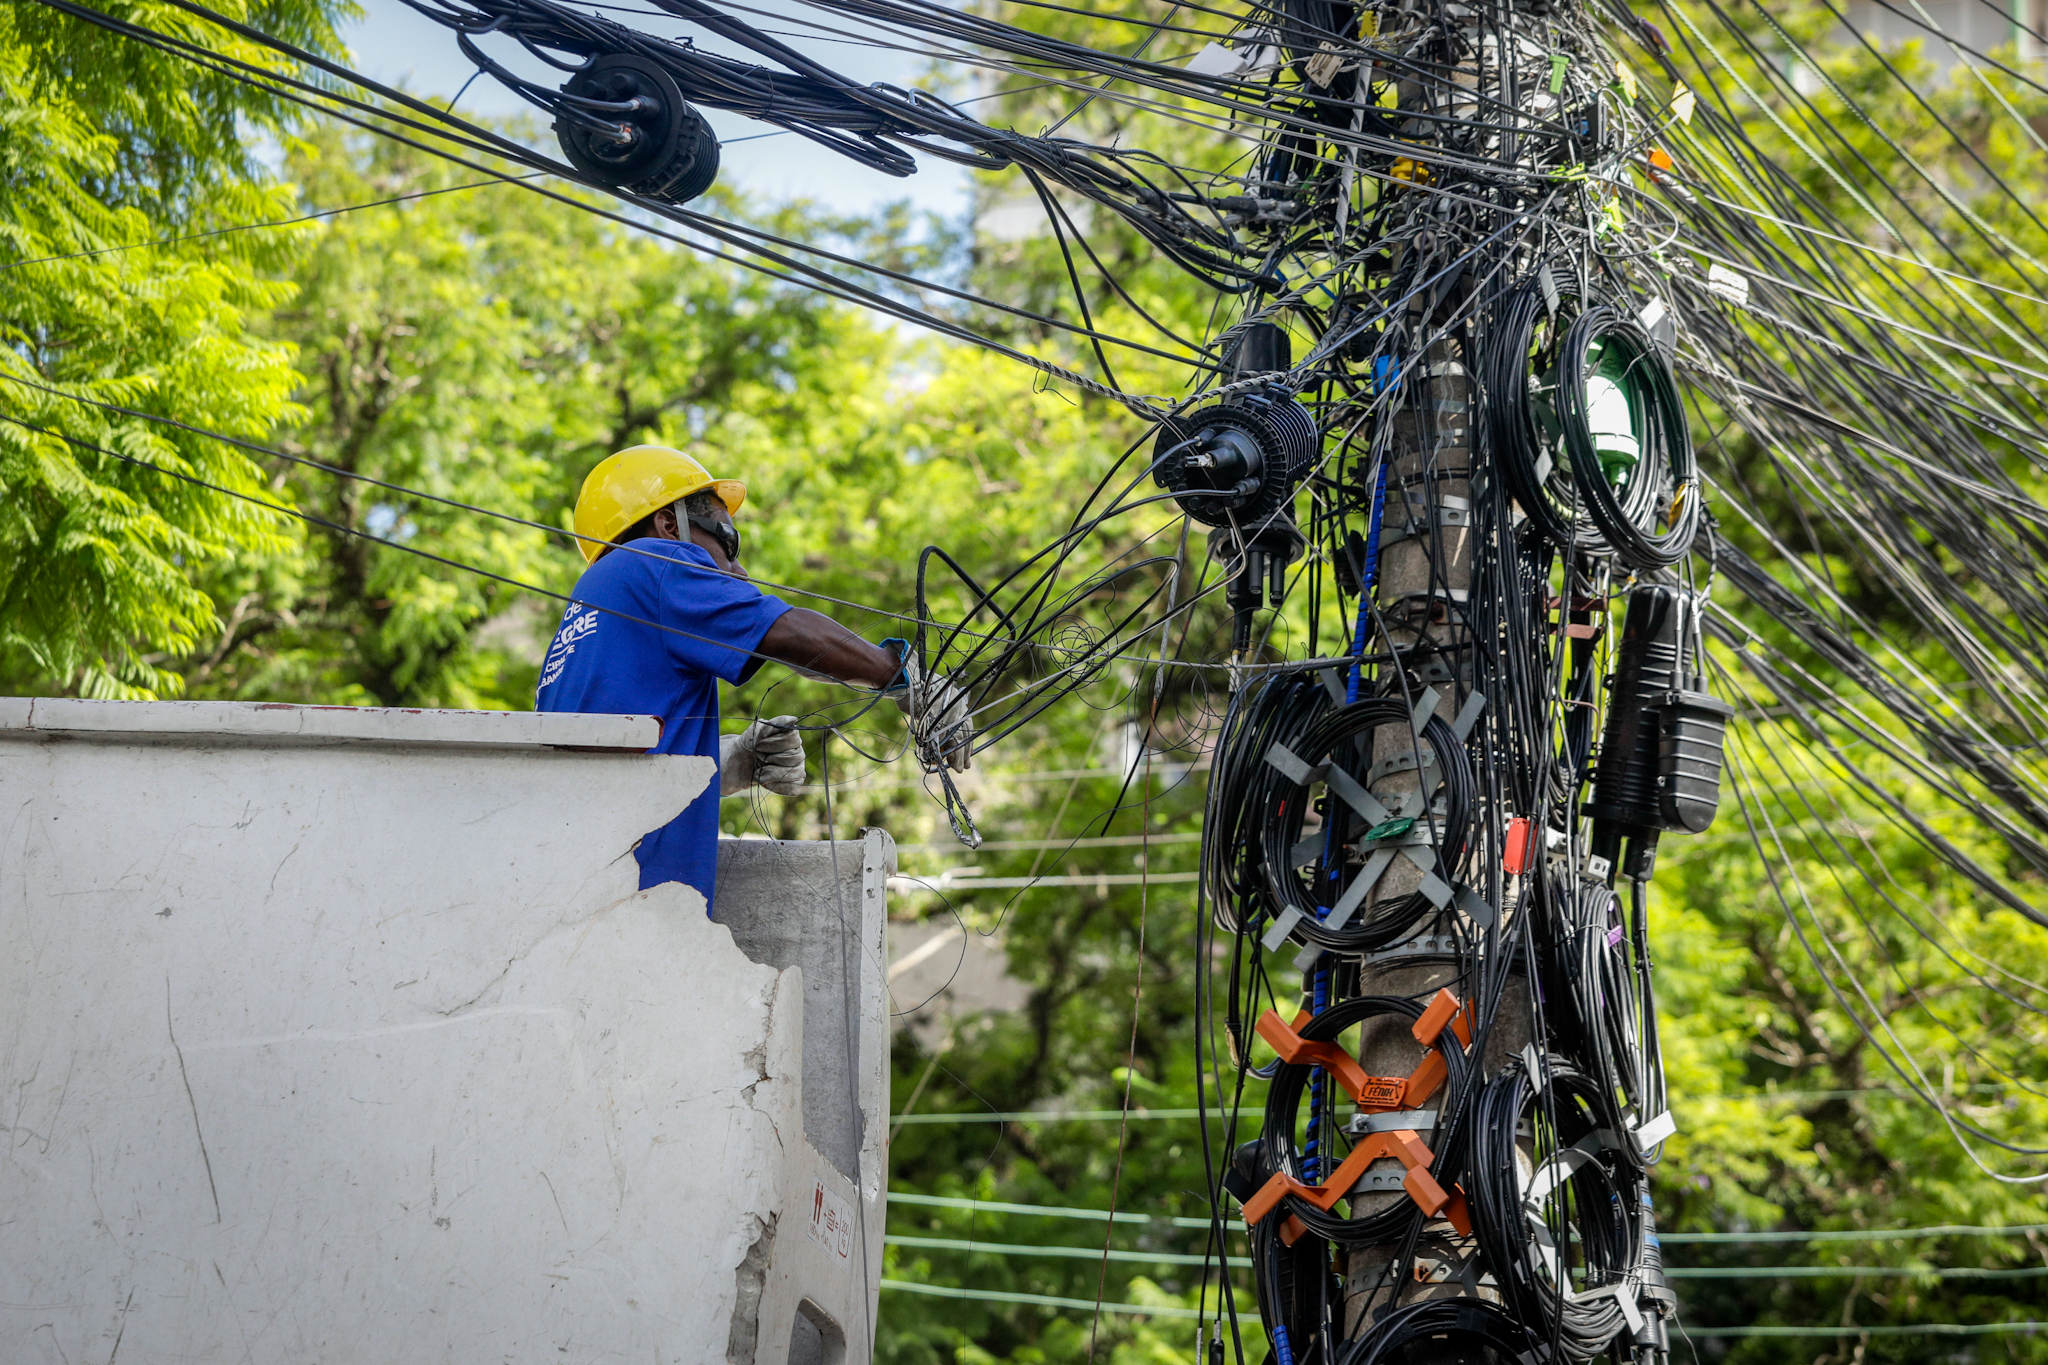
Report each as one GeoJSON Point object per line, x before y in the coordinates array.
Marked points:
{"type": "Point", "coordinates": [345, 1035]}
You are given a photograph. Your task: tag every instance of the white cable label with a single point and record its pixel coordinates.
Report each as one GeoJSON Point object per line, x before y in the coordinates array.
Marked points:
{"type": "Point", "coordinates": [831, 1225]}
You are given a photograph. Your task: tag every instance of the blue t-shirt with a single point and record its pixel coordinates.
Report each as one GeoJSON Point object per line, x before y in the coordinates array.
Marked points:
{"type": "Point", "coordinates": [605, 664]}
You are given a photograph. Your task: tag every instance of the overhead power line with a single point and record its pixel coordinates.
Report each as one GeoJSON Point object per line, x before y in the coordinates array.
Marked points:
{"type": "Point", "coordinates": [1113, 1115]}
{"type": "Point", "coordinates": [271, 223]}
{"type": "Point", "coordinates": [1748, 1272]}
{"type": "Point", "coordinates": [1830, 1272]}
{"type": "Point", "coordinates": [1948, 1329]}
{"type": "Point", "coordinates": [941, 1291]}
{"type": "Point", "coordinates": [1913, 1329]}
{"type": "Point", "coordinates": [1090, 1253]}
{"type": "Point", "coordinates": [950, 885]}
{"type": "Point", "coordinates": [1026, 845]}
{"type": "Point", "coordinates": [1042, 1210]}
{"type": "Point", "coordinates": [1737, 1238]}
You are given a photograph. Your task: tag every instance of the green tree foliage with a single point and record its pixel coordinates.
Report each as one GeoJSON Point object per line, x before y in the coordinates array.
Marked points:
{"type": "Point", "coordinates": [107, 151]}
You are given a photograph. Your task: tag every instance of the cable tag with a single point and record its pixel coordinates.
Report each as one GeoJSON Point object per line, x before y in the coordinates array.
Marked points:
{"type": "Point", "coordinates": [1520, 850]}
{"type": "Point", "coordinates": [1217, 60]}
{"type": "Point", "coordinates": [1629, 1308]}
{"type": "Point", "coordinates": [1731, 285]}
{"type": "Point", "coordinates": [1558, 63]}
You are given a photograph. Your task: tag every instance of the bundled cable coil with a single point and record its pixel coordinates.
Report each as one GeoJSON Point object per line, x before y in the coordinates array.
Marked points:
{"type": "Point", "coordinates": [1640, 486]}
{"type": "Point", "coordinates": [1589, 426]}
{"type": "Point", "coordinates": [1295, 1286]}
{"type": "Point", "coordinates": [1524, 331]}
{"type": "Point", "coordinates": [1593, 981]}
{"type": "Point", "coordinates": [1560, 1224]}
{"type": "Point", "coordinates": [1465, 1330]}
{"type": "Point", "coordinates": [1319, 888]}
{"type": "Point", "coordinates": [1276, 708]}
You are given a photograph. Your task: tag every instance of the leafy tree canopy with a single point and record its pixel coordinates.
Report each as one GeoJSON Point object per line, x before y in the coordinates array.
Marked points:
{"type": "Point", "coordinates": [113, 160]}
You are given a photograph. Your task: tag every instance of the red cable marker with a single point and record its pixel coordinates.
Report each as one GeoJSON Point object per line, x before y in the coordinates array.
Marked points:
{"type": "Point", "coordinates": [1515, 859]}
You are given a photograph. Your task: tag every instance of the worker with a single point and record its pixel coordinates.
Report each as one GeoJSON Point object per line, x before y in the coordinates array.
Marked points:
{"type": "Point", "coordinates": [664, 613]}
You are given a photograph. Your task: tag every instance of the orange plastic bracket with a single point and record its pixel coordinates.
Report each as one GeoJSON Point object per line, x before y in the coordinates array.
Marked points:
{"type": "Point", "coordinates": [1292, 1047]}
{"type": "Point", "coordinates": [1404, 1145]}
{"type": "Point", "coordinates": [1443, 1010]}
{"type": "Point", "coordinates": [1380, 1094]}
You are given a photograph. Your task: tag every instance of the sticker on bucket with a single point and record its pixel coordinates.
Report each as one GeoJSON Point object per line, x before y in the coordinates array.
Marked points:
{"type": "Point", "coordinates": [831, 1225]}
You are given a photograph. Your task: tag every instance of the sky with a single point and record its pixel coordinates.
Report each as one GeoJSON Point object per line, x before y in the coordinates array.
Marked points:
{"type": "Point", "coordinates": [395, 44]}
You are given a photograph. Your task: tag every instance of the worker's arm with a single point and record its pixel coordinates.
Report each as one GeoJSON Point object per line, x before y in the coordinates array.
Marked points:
{"type": "Point", "coordinates": [814, 643]}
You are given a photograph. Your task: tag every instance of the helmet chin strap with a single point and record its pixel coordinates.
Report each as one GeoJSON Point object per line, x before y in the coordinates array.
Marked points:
{"type": "Point", "coordinates": [724, 532]}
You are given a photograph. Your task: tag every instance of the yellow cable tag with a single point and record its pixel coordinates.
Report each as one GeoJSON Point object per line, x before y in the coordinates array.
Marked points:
{"type": "Point", "coordinates": [1682, 100]}
{"type": "Point", "coordinates": [1628, 79]}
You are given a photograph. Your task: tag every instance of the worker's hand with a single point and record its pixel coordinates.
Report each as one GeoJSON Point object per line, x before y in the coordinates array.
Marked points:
{"type": "Point", "coordinates": [941, 726]}
{"type": "Point", "coordinates": [768, 752]}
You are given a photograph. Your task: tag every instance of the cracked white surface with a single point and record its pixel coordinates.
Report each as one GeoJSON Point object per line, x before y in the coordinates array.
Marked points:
{"type": "Point", "coordinates": [456, 1091]}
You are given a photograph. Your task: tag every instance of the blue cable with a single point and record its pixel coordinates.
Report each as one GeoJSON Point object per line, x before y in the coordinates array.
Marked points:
{"type": "Point", "coordinates": [1283, 1354]}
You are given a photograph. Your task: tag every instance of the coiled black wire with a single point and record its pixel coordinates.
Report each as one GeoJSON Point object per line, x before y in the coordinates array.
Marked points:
{"type": "Point", "coordinates": [1593, 986]}
{"type": "Point", "coordinates": [1275, 708]}
{"type": "Point", "coordinates": [1277, 1149]}
{"type": "Point", "coordinates": [1434, 1330]}
{"type": "Point", "coordinates": [1593, 1219]}
{"type": "Point", "coordinates": [1664, 487]}
{"type": "Point", "coordinates": [1521, 446]}
{"type": "Point", "coordinates": [1344, 737]}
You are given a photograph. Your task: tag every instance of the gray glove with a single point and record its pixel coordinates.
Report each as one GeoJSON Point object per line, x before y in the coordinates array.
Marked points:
{"type": "Point", "coordinates": [768, 752]}
{"type": "Point", "coordinates": [941, 724]}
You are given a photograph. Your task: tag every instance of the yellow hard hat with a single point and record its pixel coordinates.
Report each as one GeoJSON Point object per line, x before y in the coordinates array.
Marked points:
{"type": "Point", "coordinates": [629, 485]}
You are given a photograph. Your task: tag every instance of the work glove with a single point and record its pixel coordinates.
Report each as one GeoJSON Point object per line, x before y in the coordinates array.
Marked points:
{"type": "Point", "coordinates": [940, 725]}
{"type": "Point", "coordinates": [768, 752]}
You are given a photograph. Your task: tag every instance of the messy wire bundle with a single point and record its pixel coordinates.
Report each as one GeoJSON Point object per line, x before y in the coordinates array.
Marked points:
{"type": "Point", "coordinates": [1484, 275]}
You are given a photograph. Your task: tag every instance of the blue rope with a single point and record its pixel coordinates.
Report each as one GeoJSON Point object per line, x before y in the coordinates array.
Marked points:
{"type": "Point", "coordinates": [1318, 1081]}
{"type": "Point", "coordinates": [1319, 978]}
{"type": "Point", "coordinates": [1366, 579]}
